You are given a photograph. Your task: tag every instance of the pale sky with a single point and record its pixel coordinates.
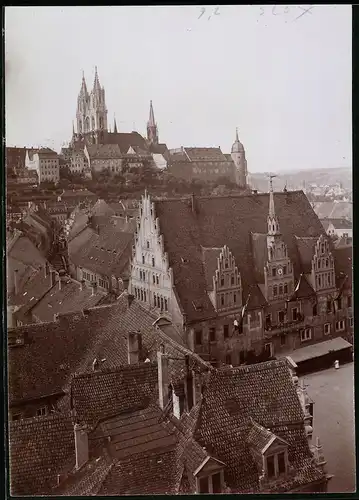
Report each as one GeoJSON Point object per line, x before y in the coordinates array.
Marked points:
{"type": "Point", "coordinates": [285, 83]}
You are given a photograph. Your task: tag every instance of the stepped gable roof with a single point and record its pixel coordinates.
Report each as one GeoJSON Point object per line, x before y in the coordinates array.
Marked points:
{"type": "Point", "coordinates": [70, 298]}
{"type": "Point", "coordinates": [107, 251]}
{"type": "Point", "coordinates": [306, 247]}
{"type": "Point", "coordinates": [48, 353]}
{"type": "Point", "coordinates": [38, 449]}
{"type": "Point", "coordinates": [228, 220]}
{"type": "Point", "coordinates": [265, 393]}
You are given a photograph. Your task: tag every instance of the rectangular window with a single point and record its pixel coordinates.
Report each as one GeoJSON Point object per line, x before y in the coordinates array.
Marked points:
{"type": "Point", "coordinates": [275, 291]}
{"type": "Point", "coordinates": [285, 289]}
{"type": "Point", "coordinates": [340, 325]}
{"type": "Point", "coordinates": [305, 334]}
{"type": "Point", "coordinates": [203, 485]}
{"type": "Point", "coordinates": [270, 466]}
{"type": "Point", "coordinates": [225, 331]}
{"type": "Point", "coordinates": [327, 329]}
{"type": "Point", "coordinates": [216, 483]}
{"type": "Point", "coordinates": [281, 316]}
{"type": "Point", "coordinates": [234, 297]}
{"type": "Point", "coordinates": [153, 262]}
{"type": "Point", "coordinates": [212, 334]}
{"type": "Point", "coordinates": [41, 411]}
{"type": "Point", "coordinates": [198, 335]}
{"type": "Point", "coordinates": [351, 321]}
{"type": "Point", "coordinates": [154, 279]}
{"type": "Point", "coordinates": [329, 306]}
{"type": "Point", "coordinates": [295, 314]}
{"type": "Point", "coordinates": [315, 310]}
{"type": "Point", "coordinates": [274, 272]}
{"type": "Point", "coordinates": [339, 303]}
{"type": "Point", "coordinates": [284, 270]}
{"type": "Point", "coordinates": [349, 301]}
{"type": "Point", "coordinates": [282, 340]}
{"type": "Point", "coordinates": [222, 281]}
{"type": "Point", "coordinates": [232, 280]}
{"type": "Point", "coordinates": [281, 463]}
{"type": "Point", "coordinates": [143, 259]}
{"type": "Point", "coordinates": [268, 349]}
{"type": "Point", "coordinates": [157, 280]}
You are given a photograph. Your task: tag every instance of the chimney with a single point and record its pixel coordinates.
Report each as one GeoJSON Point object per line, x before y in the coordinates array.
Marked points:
{"type": "Point", "coordinates": [134, 344]}
{"type": "Point", "coordinates": [46, 268]}
{"type": "Point", "coordinates": [81, 445]}
{"type": "Point", "coordinates": [193, 203]}
{"type": "Point", "coordinates": [162, 367]}
{"type": "Point", "coordinates": [16, 281]}
{"type": "Point", "coordinates": [93, 287]}
{"type": "Point", "coordinates": [189, 386]}
{"type": "Point", "coordinates": [52, 278]}
{"type": "Point", "coordinates": [82, 285]}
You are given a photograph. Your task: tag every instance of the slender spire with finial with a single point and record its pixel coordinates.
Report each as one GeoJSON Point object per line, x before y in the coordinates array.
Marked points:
{"type": "Point", "coordinates": [152, 131]}
{"type": "Point", "coordinates": [273, 224]}
{"type": "Point", "coordinates": [96, 84]}
{"type": "Point", "coordinates": [114, 125]}
{"type": "Point", "coordinates": [73, 129]}
{"type": "Point", "coordinates": [83, 84]}
{"type": "Point", "coordinates": [237, 138]}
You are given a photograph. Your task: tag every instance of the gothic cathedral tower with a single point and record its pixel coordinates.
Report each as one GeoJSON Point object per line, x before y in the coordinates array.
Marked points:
{"type": "Point", "coordinates": [152, 130]}
{"type": "Point", "coordinates": [239, 158]}
{"type": "Point", "coordinates": [91, 115]}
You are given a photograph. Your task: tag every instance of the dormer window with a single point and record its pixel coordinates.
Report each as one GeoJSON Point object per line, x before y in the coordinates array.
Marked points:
{"type": "Point", "coordinates": [210, 476]}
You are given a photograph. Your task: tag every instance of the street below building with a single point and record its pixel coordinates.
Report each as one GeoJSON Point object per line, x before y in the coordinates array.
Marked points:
{"type": "Point", "coordinates": [333, 394]}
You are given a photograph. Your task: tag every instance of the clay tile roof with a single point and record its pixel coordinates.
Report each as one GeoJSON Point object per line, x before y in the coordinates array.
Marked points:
{"type": "Point", "coordinates": [259, 437]}
{"type": "Point", "coordinates": [227, 220]}
{"type": "Point", "coordinates": [306, 248]}
{"type": "Point", "coordinates": [70, 298]}
{"type": "Point", "coordinates": [104, 151]}
{"type": "Point", "coordinates": [231, 401]}
{"type": "Point", "coordinates": [108, 252]}
{"type": "Point", "coordinates": [209, 257]}
{"type": "Point", "coordinates": [207, 154]}
{"type": "Point", "coordinates": [39, 448]}
{"type": "Point", "coordinates": [126, 140]}
{"type": "Point", "coordinates": [105, 393]}
{"type": "Point", "coordinates": [51, 353]}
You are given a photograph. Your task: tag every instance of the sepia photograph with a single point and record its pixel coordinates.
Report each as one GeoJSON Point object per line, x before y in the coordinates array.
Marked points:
{"type": "Point", "coordinates": [179, 313]}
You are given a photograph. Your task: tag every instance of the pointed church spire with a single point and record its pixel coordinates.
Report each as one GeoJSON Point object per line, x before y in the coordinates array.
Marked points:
{"type": "Point", "coordinates": [237, 138]}
{"type": "Point", "coordinates": [273, 224]}
{"type": "Point", "coordinates": [114, 126]}
{"type": "Point", "coordinates": [152, 132]}
{"type": "Point", "coordinates": [73, 129]}
{"type": "Point", "coordinates": [96, 84]}
{"type": "Point", "coordinates": [83, 84]}
{"type": "Point", "coordinates": [151, 121]}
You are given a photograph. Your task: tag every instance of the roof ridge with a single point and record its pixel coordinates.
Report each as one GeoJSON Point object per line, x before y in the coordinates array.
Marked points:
{"type": "Point", "coordinates": [254, 368]}
{"type": "Point", "coordinates": [40, 418]}
{"type": "Point", "coordinates": [236, 195]}
{"type": "Point", "coordinates": [114, 370]}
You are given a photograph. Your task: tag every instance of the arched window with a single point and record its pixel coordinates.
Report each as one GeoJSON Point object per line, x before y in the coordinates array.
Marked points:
{"type": "Point", "coordinates": [329, 279]}
{"type": "Point", "coordinates": [161, 303]}
{"type": "Point", "coordinates": [166, 305]}
{"type": "Point", "coordinates": [319, 263]}
{"type": "Point", "coordinates": [222, 300]}
{"type": "Point", "coordinates": [155, 299]}
{"type": "Point", "coordinates": [285, 288]}
{"type": "Point", "coordinates": [275, 291]}
{"type": "Point", "coordinates": [326, 262]}
{"type": "Point", "coordinates": [148, 244]}
{"type": "Point", "coordinates": [141, 294]}
{"type": "Point", "coordinates": [93, 123]}
{"type": "Point", "coordinates": [280, 289]}
{"type": "Point", "coordinates": [319, 281]}
{"type": "Point", "coordinates": [144, 296]}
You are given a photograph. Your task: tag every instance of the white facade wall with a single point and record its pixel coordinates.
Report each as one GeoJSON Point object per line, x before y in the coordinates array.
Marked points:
{"type": "Point", "coordinates": [151, 279]}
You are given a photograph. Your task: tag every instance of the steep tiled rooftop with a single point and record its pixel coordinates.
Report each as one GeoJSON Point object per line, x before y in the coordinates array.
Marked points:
{"type": "Point", "coordinates": [232, 400]}
{"type": "Point", "coordinates": [208, 154]}
{"type": "Point", "coordinates": [39, 449]}
{"type": "Point", "coordinates": [70, 298]}
{"type": "Point", "coordinates": [108, 251]}
{"type": "Point", "coordinates": [105, 393]}
{"type": "Point", "coordinates": [104, 151]}
{"type": "Point", "coordinates": [185, 232]}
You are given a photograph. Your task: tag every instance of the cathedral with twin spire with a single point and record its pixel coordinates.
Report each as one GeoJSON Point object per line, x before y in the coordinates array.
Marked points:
{"type": "Point", "coordinates": [206, 164]}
